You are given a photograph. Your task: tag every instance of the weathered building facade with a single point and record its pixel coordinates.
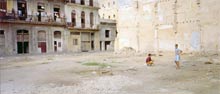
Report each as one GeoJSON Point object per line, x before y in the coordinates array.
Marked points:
{"type": "Point", "coordinates": [107, 34]}
{"type": "Point", "coordinates": [48, 26]}
{"type": "Point", "coordinates": [29, 26]}
{"type": "Point", "coordinates": [157, 25]}
{"type": "Point", "coordinates": [108, 31]}
{"type": "Point", "coordinates": [82, 22]}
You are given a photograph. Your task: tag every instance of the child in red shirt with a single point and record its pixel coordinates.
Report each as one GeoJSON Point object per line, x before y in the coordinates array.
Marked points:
{"type": "Point", "coordinates": [149, 61]}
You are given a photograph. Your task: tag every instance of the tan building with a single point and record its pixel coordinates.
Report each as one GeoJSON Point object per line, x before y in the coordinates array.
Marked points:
{"type": "Point", "coordinates": [157, 25]}
{"type": "Point", "coordinates": [108, 17]}
{"type": "Point", "coordinates": [82, 22]}
{"type": "Point", "coordinates": [32, 26]}
{"type": "Point", "coordinates": [48, 26]}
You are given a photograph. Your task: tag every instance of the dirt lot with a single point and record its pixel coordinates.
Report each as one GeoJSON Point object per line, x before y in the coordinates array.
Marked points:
{"type": "Point", "coordinates": [108, 73]}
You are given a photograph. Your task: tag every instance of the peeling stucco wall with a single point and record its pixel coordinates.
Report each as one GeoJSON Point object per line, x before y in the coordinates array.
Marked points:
{"type": "Point", "coordinates": [157, 25]}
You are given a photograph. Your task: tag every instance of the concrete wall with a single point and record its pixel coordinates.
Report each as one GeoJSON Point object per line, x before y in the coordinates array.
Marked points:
{"type": "Point", "coordinates": [148, 25]}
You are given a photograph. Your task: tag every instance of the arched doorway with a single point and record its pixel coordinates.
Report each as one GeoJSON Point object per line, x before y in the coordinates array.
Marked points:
{"type": "Point", "coordinates": [22, 41]}
{"type": "Point", "coordinates": [42, 44]}
{"type": "Point", "coordinates": [57, 41]}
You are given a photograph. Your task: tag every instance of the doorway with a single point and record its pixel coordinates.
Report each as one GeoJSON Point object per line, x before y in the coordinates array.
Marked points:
{"type": "Point", "coordinates": [22, 41]}
{"type": "Point", "coordinates": [107, 44]}
{"type": "Point", "coordinates": [57, 41]}
{"type": "Point", "coordinates": [42, 44]}
{"type": "Point", "coordinates": [22, 9]}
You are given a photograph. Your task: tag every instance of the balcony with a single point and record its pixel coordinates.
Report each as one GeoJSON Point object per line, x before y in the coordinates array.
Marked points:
{"type": "Point", "coordinates": [33, 20]}
{"type": "Point", "coordinates": [71, 26]}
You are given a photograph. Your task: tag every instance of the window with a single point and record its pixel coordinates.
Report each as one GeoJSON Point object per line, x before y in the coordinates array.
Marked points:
{"type": "Point", "coordinates": [40, 9]}
{"type": "Point", "coordinates": [22, 9]}
{"type": "Point", "coordinates": [3, 6]}
{"type": "Point", "coordinates": [113, 2]}
{"type": "Point", "coordinates": [57, 34]}
{"type": "Point", "coordinates": [83, 19]}
{"type": "Point", "coordinates": [41, 36]}
{"type": "Point", "coordinates": [91, 2]}
{"type": "Point", "coordinates": [73, 18]}
{"type": "Point", "coordinates": [91, 20]}
{"type": "Point", "coordinates": [108, 4]}
{"type": "Point", "coordinates": [82, 2]}
{"type": "Point", "coordinates": [56, 12]}
{"type": "Point", "coordinates": [107, 33]}
{"type": "Point", "coordinates": [67, 1]}
{"type": "Point", "coordinates": [75, 41]}
{"type": "Point", "coordinates": [73, 1]}
{"type": "Point", "coordinates": [1, 32]}
{"type": "Point", "coordinates": [2, 37]}
{"type": "Point", "coordinates": [109, 17]}
{"type": "Point", "coordinates": [114, 15]}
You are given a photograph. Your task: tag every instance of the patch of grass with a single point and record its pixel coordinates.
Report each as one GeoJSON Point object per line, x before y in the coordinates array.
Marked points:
{"type": "Point", "coordinates": [45, 62]}
{"type": "Point", "coordinates": [49, 58]}
{"type": "Point", "coordinates": [96, 64]}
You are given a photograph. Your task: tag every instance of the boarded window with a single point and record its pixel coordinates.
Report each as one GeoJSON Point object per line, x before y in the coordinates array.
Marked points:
{"type": "Point", "coordinates": [75, 41]}
{"type": "Point", "coordinates": [91, 19]}
{"type": "Point", "coordinates": [57, 34]}
{"type": "Point", "coordinates": [91, 2]}
{"type": "Point", "coordinates": [83, 19]}
{"type": "Point", "coordinates": [41, 36]}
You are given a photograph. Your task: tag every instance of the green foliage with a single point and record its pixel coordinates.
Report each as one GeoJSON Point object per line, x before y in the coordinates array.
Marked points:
{"type": "Point", "coordinates": [96, 64]}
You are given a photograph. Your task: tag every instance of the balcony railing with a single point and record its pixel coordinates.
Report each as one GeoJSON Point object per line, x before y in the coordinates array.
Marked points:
{"type": "Point", "coordinates": [33, 19]}
{"type": "Point", "coordinates": [70, 25]}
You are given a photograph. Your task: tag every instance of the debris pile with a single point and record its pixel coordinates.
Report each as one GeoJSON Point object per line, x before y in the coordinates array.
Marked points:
{"type": "Point", "coordinates": [127, 51]}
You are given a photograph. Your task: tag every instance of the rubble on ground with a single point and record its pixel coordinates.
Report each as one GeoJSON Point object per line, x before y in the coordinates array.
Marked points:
{"type": "Point", "coordinates": [127, 51]}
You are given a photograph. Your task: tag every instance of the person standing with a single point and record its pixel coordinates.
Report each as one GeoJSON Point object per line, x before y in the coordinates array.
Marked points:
{"type": "Point", "coordinates": [177, 56]}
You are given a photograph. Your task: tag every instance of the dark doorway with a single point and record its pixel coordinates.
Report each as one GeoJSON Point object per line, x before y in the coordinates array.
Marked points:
{"type": "Point", "coordinates": [22, 9]}
{"type": "Point", "coordinates": [22, 41]}
{"type": "Point", "coordinates": [107, 43]}
{"type": "Point", "coordinates": [56, 13]}
{"type": "Point", "coordinates": [57, 41]}
{"type": "Point", "coordinates": [40, 9]}
{"type": "Point", "coordinates": [100, 45]}
{"type": "Point", "coordinates": [92, 45]}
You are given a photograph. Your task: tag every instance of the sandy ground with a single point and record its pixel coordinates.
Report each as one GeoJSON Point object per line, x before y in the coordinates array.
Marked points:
{"type": "Point", "coordinates": [124, 74]}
